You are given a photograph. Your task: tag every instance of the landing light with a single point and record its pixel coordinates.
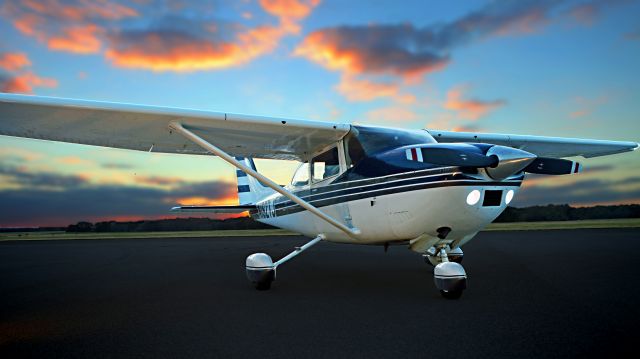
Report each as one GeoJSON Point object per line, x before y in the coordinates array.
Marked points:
{"type": "Point", "coordinates": [473, 197]}
{"type": "Point", "coordinates": [508, 197]}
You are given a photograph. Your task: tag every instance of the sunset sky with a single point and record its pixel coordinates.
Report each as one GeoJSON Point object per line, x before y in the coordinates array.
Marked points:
{"type": "Point", "coordinates": [556, 68]}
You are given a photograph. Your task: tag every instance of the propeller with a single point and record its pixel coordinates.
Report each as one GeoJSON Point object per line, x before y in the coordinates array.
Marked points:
{"type": "Point", "coordinates": [454, 154]}
{"type": "Point", "coordinates": [553, 166]}
{"type": "Point", "coordinates": [499, 162]}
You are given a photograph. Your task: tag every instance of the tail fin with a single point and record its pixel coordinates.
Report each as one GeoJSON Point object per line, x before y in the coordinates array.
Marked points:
{"type": "Point", "coordinates": [250, 190]}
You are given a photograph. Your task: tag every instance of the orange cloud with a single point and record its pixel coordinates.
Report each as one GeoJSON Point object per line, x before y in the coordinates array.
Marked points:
{"type": "Point", "coordinates": [588, 106]}
{"type": "Point", "coordinates": [204, 201]}
{"type": "Point", "coordinates": [470, 109]}
{"type": "Point", "coordinates": [466, 128]}
{"type": "Point", "coordinates": [80, 10]}
{"type": "Point", "coordinates": [526, 23]}
{"type": "Point", "coordinates": [66, 26]}
{"type": "Point", "coordinates": [338, 49]}
{"type": "Point", "coordinates": [160, 181]}
{"type": "Point", "coordinates": [12, 61]}
{"type": "Point", "coordinates": [390, 115]}
{"type": "Point", "coordinates": [25, 83]}
{"type": "Point", "coordinates": [73, 160]}
{"type": "Point", "coordinates": [28, 25]}
{"type": "Point", "coordinates": [167, 50]}
{"type": "Point", "coordinates": [355, 54]}
{"type": "Point", "coordinates": [182, 53]}
{"type": "Point", "coordinates": [289, 11]}
{"type": "Point", "coordinates": [78, 39]}
{"type": "Point", "coordinates": [354, 89]}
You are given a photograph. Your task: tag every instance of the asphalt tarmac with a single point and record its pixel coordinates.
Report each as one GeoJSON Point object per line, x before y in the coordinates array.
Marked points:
{"type": "Point", "coordinates": [564, 293]}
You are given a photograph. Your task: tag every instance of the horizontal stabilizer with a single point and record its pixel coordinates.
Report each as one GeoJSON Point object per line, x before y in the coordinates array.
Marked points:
{"type": "Point", "coordinates": [213, 209]}
{"type": "Point", "coordinates": [553, 166]}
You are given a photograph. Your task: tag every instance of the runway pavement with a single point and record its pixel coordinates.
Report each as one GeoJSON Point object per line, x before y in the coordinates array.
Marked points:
{"type": "Point", "coordinates": [563, 293]}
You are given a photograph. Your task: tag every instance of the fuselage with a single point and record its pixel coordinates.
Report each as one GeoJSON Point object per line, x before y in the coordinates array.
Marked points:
{"type": "Point", "coordinates": [389, 194]}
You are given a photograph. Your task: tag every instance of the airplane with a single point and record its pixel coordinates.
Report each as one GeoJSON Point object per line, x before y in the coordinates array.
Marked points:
{"type": "Point", "coordinates": [430, 190]}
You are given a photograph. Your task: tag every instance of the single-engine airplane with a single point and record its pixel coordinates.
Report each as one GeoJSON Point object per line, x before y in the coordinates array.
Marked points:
{"type": "Point", "coordinates": [428, 189]}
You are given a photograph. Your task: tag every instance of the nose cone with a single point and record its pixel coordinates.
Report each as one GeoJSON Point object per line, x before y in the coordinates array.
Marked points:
{"type": "Point", "coordinates": [510, 161]}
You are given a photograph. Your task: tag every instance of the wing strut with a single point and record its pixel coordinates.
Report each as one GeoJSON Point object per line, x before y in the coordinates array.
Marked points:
{"type": "Point", "coordinates": [179, 128]}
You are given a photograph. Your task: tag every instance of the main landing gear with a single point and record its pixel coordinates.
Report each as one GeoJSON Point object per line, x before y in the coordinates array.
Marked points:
{"type": "Point", "coordinates": [448, 274]}
{"type": "Point", "coordinates": [261, 270]}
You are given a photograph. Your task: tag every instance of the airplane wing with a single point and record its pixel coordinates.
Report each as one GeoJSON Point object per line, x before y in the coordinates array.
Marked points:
{"type": "Point", "coordinates": [542, 146]}
{"type": "Point", "coordinates": [145, 128]}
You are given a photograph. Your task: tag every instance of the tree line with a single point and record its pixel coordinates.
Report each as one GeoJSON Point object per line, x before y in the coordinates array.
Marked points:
{"type": "Point", "coordinates": [511, 214]}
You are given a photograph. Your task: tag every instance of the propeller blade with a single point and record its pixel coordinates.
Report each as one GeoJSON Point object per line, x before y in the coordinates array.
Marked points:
{"type": "Point", "coordinates": [455, 155]}
{"type": "Point", "coordinates": [553, 166]}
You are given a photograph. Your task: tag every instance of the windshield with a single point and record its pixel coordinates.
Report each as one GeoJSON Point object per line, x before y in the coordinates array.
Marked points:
{"type": "Point", "coordinates": [301, 176]}
{"type": "Point", "coordinates": [364, 141]}
{"type": "Point", "coordinates": [325, 165]}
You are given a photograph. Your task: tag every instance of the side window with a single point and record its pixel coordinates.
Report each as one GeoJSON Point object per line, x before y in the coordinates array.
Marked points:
{"type": "Point", "coordinates": [353, 151]}
{"type": "Point", "coordinates": [325, 165]}
{"type": "Point", "coordinates": [301, 176]}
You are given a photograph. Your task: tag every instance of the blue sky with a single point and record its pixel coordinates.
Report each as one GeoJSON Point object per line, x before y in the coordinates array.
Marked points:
{"type": "Point", "coordinates": [561, 68]}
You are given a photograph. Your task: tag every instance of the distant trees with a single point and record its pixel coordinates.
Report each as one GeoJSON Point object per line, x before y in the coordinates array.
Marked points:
{"type": "Point", "coordinates": [528, 214]}
{"type": "Point", "coordinates": [565, 212]}
{"type": "Point", "coordinates": [81, 227]}
{"type": "Point", "coordinates": [175, 224]}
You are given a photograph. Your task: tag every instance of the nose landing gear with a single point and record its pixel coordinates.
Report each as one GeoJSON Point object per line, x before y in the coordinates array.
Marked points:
{"type": "Point", "coordinates": [449, 277]}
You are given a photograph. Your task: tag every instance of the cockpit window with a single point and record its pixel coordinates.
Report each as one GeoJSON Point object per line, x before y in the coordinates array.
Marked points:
{"type": "Point", "coordinates": [325, 165]}
{"type": "Point", "coordinates": [353, 149]}
{"type": "Point", "coordinates": [375, 139]}
{"type": "Point", "coordinates": [301, 176]}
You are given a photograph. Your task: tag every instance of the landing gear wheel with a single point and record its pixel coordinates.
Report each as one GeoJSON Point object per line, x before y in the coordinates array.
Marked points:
{"type": "Point", "coordinates": [449, 277]}
{"type": "Point", "coordinates": [451, 294]}
{"type": "Point", "coordinates": [260, 270]}
{"type": "Point", "coordinates": [263, 285]}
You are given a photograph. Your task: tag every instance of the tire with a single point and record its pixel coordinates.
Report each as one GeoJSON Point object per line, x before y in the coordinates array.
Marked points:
{"type": "Point", "coordinates": [452, 294]}
{"type": "Point", "coordinates": [264, 285]}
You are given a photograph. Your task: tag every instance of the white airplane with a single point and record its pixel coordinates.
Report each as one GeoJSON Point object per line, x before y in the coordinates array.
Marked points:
{"type": "Point", "coordinates": [428, 189]}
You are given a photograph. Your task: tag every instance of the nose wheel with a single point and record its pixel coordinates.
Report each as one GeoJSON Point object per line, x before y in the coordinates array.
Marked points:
{"type": "Point", "coordinates": [449, 277]}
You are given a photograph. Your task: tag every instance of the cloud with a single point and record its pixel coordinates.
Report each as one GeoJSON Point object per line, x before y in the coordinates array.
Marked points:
{"type": "Point", "coordinates": [82, 39]}
{"type": "Point", "coordinates": [18, 79]}
{"type": "Point", "coordinates": [25, 83]}
{"type": "Point", "coordinates": [587, 106]}
{"type": "Point", "coordinates": [290, 12]}
{"type": "Point", "coordinates": [470, 109]}
{"type": "Point", "coordinates": [72, 26]}
{"type": "Point", "coordinates": [73, 161]}
{"type": "Point", "coordinates": [587, 12]}
{"type": "Point", "coordinates": [13, 61]}
{"type": "Point", "coordinates": [40, 181]}
{"type": "Point", "coordinates": [79, 10]}
{"type": "Point", "coordinates": [207, 48]}
{"type": "Point", "coordinates": [373, 49]}
{"type": "Point", "coordinates": [159, 181]}
{"type": "Point", "coordinates": [169, 38]}
{"type": "Point", "coordinates": [354, 89]}
{"type": "Point", "coordinates": [466, 128]}
{"type": "Point", "coordinates": [117, 166]}
{"type": "Point", "coordinates": [44, 198]}
{"type": "Point", "coordinates": [408, 52]}
{"type": "Point", "coordinates": [391, 114]}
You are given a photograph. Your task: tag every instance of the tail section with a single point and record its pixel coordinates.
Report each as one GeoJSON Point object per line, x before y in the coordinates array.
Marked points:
{"type": "Point", "coordinates": [250, 190]}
